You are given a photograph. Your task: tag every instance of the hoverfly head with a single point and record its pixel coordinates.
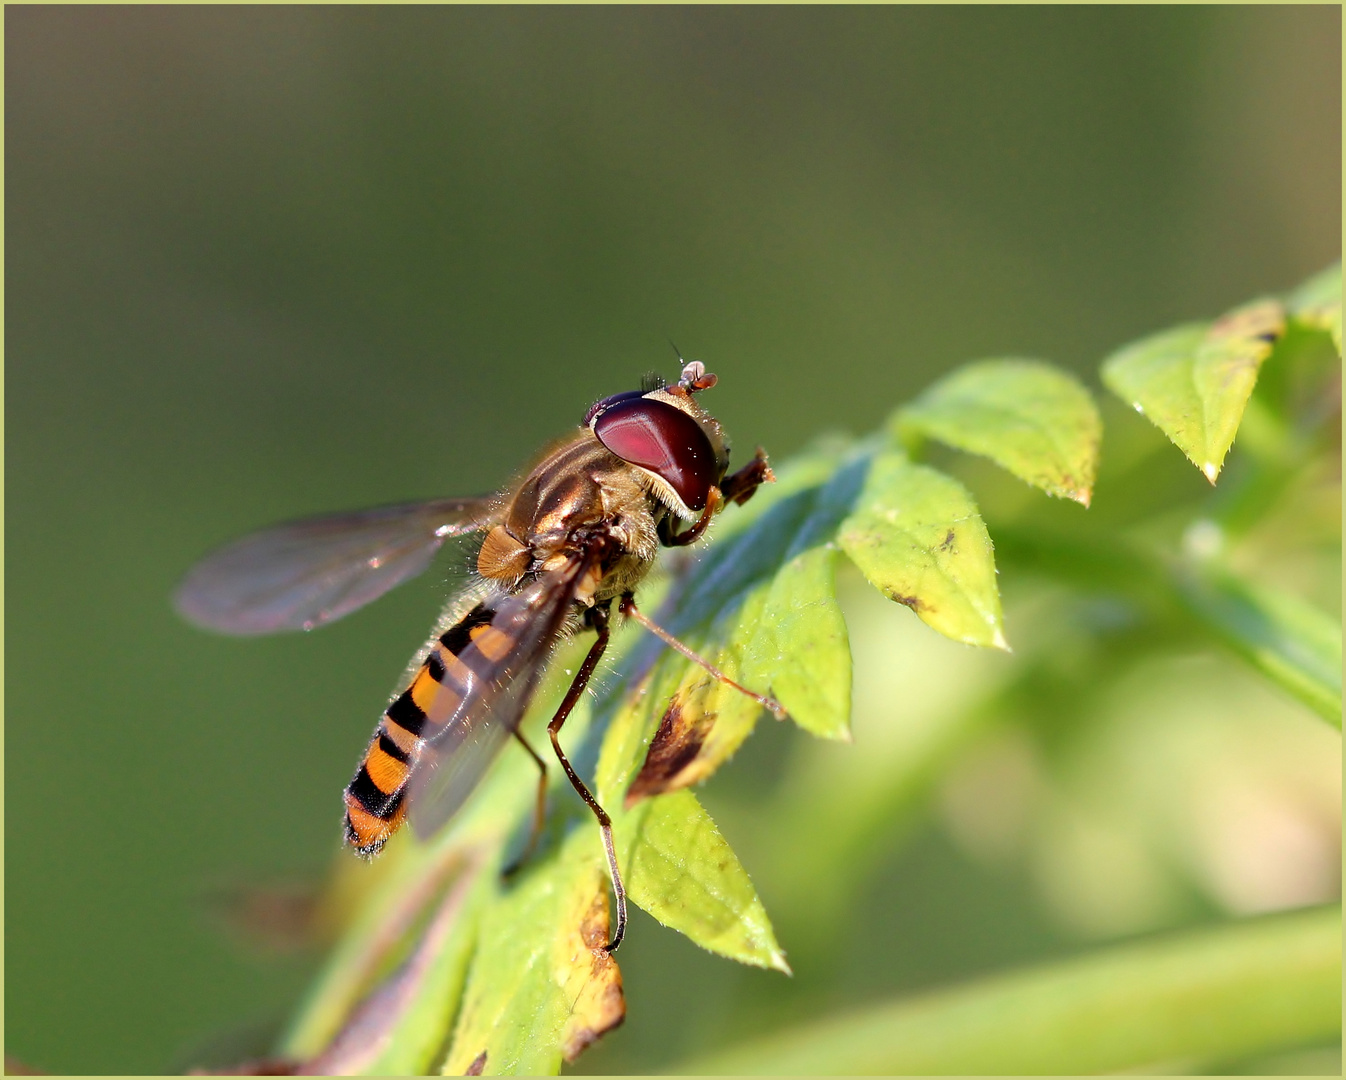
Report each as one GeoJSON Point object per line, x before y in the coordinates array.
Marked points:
{"type": "Point", "coordinates": [677, 446]}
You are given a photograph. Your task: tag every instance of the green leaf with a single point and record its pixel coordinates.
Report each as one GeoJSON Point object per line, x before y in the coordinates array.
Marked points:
{"type": "Point", "coordinates": [787, 638]}
{"type": "Point", "coordinates": [810, 469]}
{"type": "Point", "coordinates": [758, 615]}
{"type": "Point", "coordinates": [541, 987]}
{"type": "Point", "coordinates": [1026, 416]}
{"type": "Point", "coordinates": [704, 720]}
{"type": "Point", "coordinates": [1193, 382]}
{"type": "Point", "coordinates": [1317, 303]}
{"type": "Point", "coordinates": [1205, 996]}
{"type": "Point", "coordinates": [800, 650]}
{"type": "Point", "coordinates": [1294, 644]}
{"type": "Point", "coordinates": [683, 872]}
{"type": "Point", "coordinates": [786, 521]}
{"type": "Point", "coordinates": [917, 536]}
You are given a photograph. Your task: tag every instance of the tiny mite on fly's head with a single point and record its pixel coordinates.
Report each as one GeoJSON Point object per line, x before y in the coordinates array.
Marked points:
{"type": "Point", "coordinates": [647, 469]}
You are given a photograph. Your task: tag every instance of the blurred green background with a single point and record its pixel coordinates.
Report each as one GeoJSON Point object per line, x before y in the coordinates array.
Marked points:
{"type": "Point", "coordinates": [263, 262]}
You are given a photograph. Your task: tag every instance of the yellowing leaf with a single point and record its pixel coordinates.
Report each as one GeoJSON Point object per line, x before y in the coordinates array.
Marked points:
{"type": "Point", "coordinates": [1193, 382]}
{"type": "Point", "coordinates": [1026, 416]}
{"type": "Point", "coordinates": [916, 535]}
{"type": "Point", "coordinates": [788, 638]}
{"type": "Point", "coordinates": [541, 986]}
{"type": "Point", "coordinates": [592, 984]}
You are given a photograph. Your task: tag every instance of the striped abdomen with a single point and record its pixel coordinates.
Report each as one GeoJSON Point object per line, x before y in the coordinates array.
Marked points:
{"type": "Point", "coordinates": [451, 675]}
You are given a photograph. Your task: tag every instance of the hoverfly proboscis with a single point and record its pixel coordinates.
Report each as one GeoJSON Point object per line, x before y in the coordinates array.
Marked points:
{"type": "Point", "coordinates": [578, 532]}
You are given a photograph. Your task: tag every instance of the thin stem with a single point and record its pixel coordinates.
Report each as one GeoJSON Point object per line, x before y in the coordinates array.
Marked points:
{"type": "Point", "coordinates": [1208, 996]}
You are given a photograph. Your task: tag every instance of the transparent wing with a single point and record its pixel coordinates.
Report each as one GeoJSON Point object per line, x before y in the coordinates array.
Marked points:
{"type": "Point", "coordinates": [306, 573]}
{"type": "Point", "coordinates": [467, 737]}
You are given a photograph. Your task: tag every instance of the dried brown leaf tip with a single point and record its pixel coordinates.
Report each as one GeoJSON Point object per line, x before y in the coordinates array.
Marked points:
{"type": "Point", "coordinates": [671, 759]}
{"type": "Point", "coordinates": [594, 983]}
{"type": "Point", "coordinates": [1262, 321]}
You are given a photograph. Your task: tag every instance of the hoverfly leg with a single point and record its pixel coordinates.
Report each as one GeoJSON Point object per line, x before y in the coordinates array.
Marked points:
{"type": "Point", "coordinates": [598, 616]}
{"type": "Point", "coordinates": [671, 539]}
{"type": "Point", "coordinates": [628, 608]}
{"type": "Point", "coordinates": [539, 811]}
{"type": "Point", "coordinates": [739, 487]}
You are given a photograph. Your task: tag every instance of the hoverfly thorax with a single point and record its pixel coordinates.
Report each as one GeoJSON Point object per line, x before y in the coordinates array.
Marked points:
{"type": "Point", "coordinates": [676, 446]}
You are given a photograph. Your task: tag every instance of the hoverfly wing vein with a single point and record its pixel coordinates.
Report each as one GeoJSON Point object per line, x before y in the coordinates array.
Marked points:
{"type": "Point", "coordinates": [306, 573]}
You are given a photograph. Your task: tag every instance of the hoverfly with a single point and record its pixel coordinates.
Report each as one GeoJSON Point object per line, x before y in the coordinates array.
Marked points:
{"type": "Point", "coordinates": [648, 468]}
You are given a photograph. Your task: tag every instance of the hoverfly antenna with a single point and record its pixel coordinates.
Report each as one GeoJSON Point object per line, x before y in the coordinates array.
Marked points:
{"type": "Point", "coordinates": [695, 377]}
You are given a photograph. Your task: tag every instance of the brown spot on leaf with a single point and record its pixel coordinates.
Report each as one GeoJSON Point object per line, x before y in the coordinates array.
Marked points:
{"type": "Point", "coordinates": [600, 1004]}
{"type": "Point", "coordinates": [1072, 487]}
{"type": "Point", "coordinates": [913, 602]}
{"type": "Point", "coordinates": [676, 744]}
{"type": "Point", "coordinates": [1263, 320]}
{"type": "Point", "coordinates": [1251, 330]}
{"type": "Point", "coordinates": [947, 545]}
{"type": "Point", "coordinates": [478, 1064]}
{"type": "Point", "coordinates": [594, 926]}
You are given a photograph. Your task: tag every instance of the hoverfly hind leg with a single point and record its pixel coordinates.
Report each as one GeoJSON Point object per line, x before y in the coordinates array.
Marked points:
{"type": "Point", "coordinates": [539, 811]}
{"type": "Point", "coordinates": [598, 617]}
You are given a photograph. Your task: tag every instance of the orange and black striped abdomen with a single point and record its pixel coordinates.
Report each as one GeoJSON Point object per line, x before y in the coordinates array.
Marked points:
{"type": "Point", "coordinates": [375, 798]}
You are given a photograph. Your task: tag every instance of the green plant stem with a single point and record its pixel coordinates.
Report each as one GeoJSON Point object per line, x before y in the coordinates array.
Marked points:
{"type": "Point", "coordinates": [1285, 639]}
{"type": "Point", "coordinates": [1246, 988]}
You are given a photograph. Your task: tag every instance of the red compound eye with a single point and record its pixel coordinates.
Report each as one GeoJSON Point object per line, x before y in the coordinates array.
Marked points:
{"type": "Point", "coordinates": [665, 440]}
{"type": "Point", "coordinates": [608, 402]}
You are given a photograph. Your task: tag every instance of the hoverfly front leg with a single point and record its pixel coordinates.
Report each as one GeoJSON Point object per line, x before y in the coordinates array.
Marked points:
{"type": "Point", "coordinates": [739, 488]}
{"type": "Point", "coordinates": [628, 608]}
{"type": "Point", "coordinates": [669, 538]}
